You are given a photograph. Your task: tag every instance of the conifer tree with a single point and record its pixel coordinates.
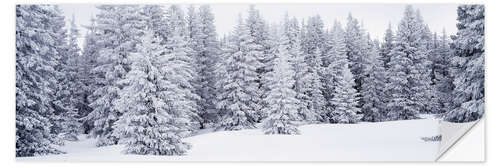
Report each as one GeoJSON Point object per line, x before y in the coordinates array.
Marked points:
{"type": "Point", "coordinates": [282, 106]}
{"type": "Point", "coordinates": [387, 46]}
{"type": "Point", "coordinates": [442, 74]}
{"type": "Point", "coordinates": [345, 100]}
{"type": "Point", "coordinates": [333, 73]}
{"type": "Point", "coordinates": [71, 95]}
{"type": "Point", "coordinates": [356, 49]}
{"type": "Point", "coordinates": [204, 42]}
{"type": "Point", "coordinates": [317, 101]}
{"type": "Point", "coordinates": [238, 97]}
{"type": "Point", "coordinates": [406, 70]}
{"type": "Point", "coordinates": [468, 60]}
{"type": "Point", "coordinates": [259, 46]}
{"type": "Point", "coordinates": [373, 87]}
{"type": "Point", "coordinates": [177, 46]}
{"type": "Point", "coordinates": [154, 118]}
{"type": "Point", "coordinates": [300, 67]}
{"type": "Point", "coordinates": [119, 28]}
{"type": "Point", "coordinates": [35, 60]}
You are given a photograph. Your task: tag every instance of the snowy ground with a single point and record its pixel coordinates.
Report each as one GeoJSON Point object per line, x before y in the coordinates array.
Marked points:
{"type": "Point", "coordinates": [386, 141]}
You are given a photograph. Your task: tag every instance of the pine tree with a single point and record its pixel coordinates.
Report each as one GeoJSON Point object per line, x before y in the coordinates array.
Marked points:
{"type": "Point", "coordinates": [356, 49]}
{"type": "Point", "coordinates": [317, 100]}
{"type": "Point", "coordinates": [35, 60]}
{"type": "Point", "coordinates": [204, 42]}
{"type": "Point", "coordinates": [300, 67]}
{"type": "Point", "coordinates": [333, 73]}
{"type": "Point", "coordinates": [345, 100]}
{"type": "Point", "coordinates": [425, 89]}
{"type": "Point", "coordinates": [314, 37]}
{"type": "Point", "coordinates": [177, 46]}
{"type": "Point", "coordinates": [238, 96]}
{"type": "Point", "coordinates": [405, 86]}
{"type": "Point", "coordinates": [442, 73]}
{"type": "Point", "coordinates": [335, 58]}
{"type": "Point", "coordinates": [259, 46]}
{"type": "Point", "coordinates": [468, 62]}
{"type": "Point", "coordinates": [387, 46]}
{"type": "Point", "coordinates": [119, 28]}
{"type": "Point", "coordinates": [154, 118]}
{"type": "Point", "coordinates": [60, 97]}
{"type": "Point", "coordinates": [70, 95]}
{"type": "Point", "coordinates": [282, 106]}
{"type": "Point", "coordinates": [373, 87]}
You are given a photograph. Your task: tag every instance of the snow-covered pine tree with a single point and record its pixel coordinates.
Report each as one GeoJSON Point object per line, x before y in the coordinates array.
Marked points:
{"type": "Point", "coordinates": [442, 73]}
{"type": "Point", "coordinates": [110, 66]}
{"type": "Point", "coordinates": [468, 62]}
{"type": "Point", "coordinates": [317, 100]}
{"type": "Point", "coordinates": [35, 60]}
{"type": "Point", "coordinates": [282, 104]}
{"type": "Point", "coordinates": [119, 28]}
{"type": "Point", "coordinates": [373, 86]}
{"type": "Point", "coordinates": [238, 95]}
{"type": "Point", "coordinates": [154, 119]}
{"type": "Point", "coordinates": [71, 95]}
{"type": "Point", "coordinates": [202, 32]}
{"type": "Point", "coordinates": [387, 46]}
{"type": "Point", "coordinates": [193, 22]}
{"type": "Point", "coordinates": [404, 70]}
{"type": "Point", "coordinates": [312, 41]}
{"type": "Point", "coordinates": [345, 99]}
{"type": "Point", "coordinates": [356, 49]}
{"type": "Point", "coordinates": [259, 46]}
{"type": "Point", "coordinates": [60, 97]}
{"type": "Point", "coordinates": [314, 37]}
{"type": "Point", "coordinates": [423, 86]}
{"type": "Point", "coordinates": [333, 73]}
{"type": "Point", "coordinates": [184, 65]}
{"type": "Point", "coordinates": [301, 75]}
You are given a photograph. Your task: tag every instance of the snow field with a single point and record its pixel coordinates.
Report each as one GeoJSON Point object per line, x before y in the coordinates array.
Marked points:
{"type": "Point", "coordinates": [384, 141]}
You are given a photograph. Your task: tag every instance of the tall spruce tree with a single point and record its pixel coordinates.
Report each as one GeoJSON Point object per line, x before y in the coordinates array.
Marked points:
{"type": "Point", "coordinates": [317, 101]}
{"type": "Point", "coordinates": [373, 86]}
{"type": "Point", "coordinates": [118, 30]}
{"type": "Point", "coordinates": [356, 49]}
{"type": "Point", "coordinates": [239, 96]}
{"type": "Point", "coordinates": [387, 46]}
{"type": "Point", "coordinates": [177, 46]}
{"type": "Point", "coordinates": [468, 70]}
{"type": "Point", "coordinates": [407, 70]}
{"type": "Point", "coordinates": [35, 60]}
{"type": "Point", "coordinates": [345, 99]}
{"type": "Point", "coordinates": [442, 69]}
{"type": "Point", "coordinates": [282, 104]}
{"type": "Point", "coordinates": [202, 32]}
{"type": "Point", "coordinates": [426, 90]}
{"type": "Point", "coordinates": [300, 67]}
{"type": "Point", "coordinates": [70, 96]}
{"type": "Point", "coordinates": [337, 59]}
{"type": "Point", "coordinates": [259, 46]}
{"type": "Point", "coordinates": [155, 117]}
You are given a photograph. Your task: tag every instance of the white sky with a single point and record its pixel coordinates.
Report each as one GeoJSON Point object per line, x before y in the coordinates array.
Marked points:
{"type": "Point", "coordinates": [375, 17]}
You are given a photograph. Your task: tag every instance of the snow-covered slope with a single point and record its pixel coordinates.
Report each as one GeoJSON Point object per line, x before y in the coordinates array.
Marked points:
{"type": "Point", "coordinates": [386, 141]}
